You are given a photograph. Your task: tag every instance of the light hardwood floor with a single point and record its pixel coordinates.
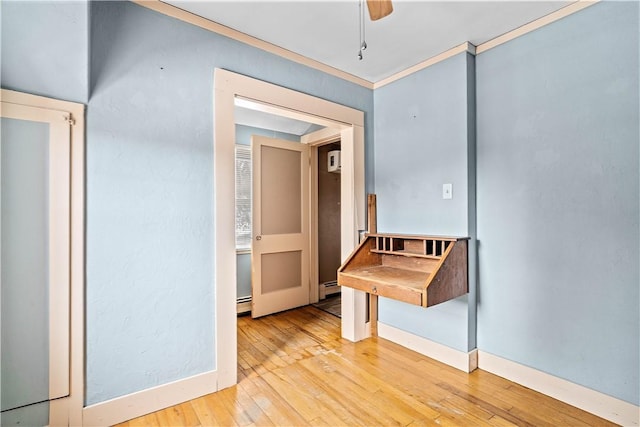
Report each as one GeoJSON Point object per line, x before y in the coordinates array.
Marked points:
{"type": "Point", "coordinates": [295, 370]}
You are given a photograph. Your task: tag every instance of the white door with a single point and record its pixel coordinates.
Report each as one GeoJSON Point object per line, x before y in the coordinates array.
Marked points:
{"type": "Point", "coordinates": [34, 255]}
{"type": "Point", "coordinates": [280, 247]}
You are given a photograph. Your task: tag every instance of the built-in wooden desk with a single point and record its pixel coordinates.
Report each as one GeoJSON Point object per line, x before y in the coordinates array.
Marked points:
{"type": "Point", "coordinates": [420, 270]}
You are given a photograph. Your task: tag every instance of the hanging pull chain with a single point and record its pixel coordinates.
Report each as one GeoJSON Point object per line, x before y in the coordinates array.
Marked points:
{"type": "Point", "coordinates": [363, 44]}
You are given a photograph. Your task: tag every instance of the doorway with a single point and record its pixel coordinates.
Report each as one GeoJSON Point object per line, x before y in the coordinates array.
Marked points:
{"type": "Point", "coordinates": [328, 218]}
{"type": "Point", "coordinates": [264, 96]}
{"type": "Point", "coordinates": [260, 130]}
{"type": "Point", "coordinates": [327, 213]}
{"type": "Point", "coordinates": [253, 128]}
{"type": "Point", "coordinates": [280, 287]}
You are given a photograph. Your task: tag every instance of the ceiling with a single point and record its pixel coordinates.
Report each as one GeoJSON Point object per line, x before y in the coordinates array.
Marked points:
{"type": "Point", "coordinates": [327, 31]}
{"type": "Point", "coordinates": [262, 120]}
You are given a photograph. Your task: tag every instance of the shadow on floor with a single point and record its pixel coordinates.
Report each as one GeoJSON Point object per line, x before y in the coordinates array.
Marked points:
{"type": "Point", "coordinates": [331, 304]}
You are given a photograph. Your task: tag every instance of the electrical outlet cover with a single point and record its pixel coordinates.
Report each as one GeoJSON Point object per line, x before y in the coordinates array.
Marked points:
{"type": "Point", "coordinates": [447, 191]}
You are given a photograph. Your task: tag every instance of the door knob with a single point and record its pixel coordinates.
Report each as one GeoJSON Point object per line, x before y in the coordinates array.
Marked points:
{"type": "Point", "coordinates": [258, 237]}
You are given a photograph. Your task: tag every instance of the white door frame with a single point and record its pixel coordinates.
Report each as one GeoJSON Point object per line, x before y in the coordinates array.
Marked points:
{"type": "Point", "coordinates": [228, 87]}
{"type": "Point", "coordinates": [68, 410]}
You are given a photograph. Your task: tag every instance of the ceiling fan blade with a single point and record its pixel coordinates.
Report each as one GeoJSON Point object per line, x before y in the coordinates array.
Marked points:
{"type": "Point", "coordinates": [379, 8]}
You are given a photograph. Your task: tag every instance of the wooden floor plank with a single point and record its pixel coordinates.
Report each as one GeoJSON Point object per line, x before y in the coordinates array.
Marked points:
{"type": "Point", "coordinates": [356, 401]}
{"type": "Point", "coordinates": [294, 369]}
{"type": "Point", "coordinates": [217, 406]}
{"type": "Point", "coordinates": [572, 414]}
{"type": "Point", "coordinates": [179, 415]}
{"type": "Point", "coordinates": [271, 403]}
{"type": "Point", "coordinates": [337, 404]}
{"type": "Point", "coordinates": [300, 401]}
{"type": "Point", "coordinates": [389, 391]}
{"type": "Point", "coordinates": [314, 396]}
{"type": "Point", "coordinates": [205, 413]}
{"type": "Point", "coordinates": [145, 421]}
{"type": "Point", "coordinates": [252, 409]}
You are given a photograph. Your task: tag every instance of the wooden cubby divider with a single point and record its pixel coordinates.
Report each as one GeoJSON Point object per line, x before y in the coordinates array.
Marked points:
{"type": "Point", "coordinates": [420, 270]}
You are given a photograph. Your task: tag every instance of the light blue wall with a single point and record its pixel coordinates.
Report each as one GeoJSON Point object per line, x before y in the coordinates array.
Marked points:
{"type": "Point", "coordinates": [557, 165]}
{"type": "Point", "coordinates": [558, 199]}
{"type": "Point", "coordinates": [243, 266]}
{"type": "Point", "coordinates": [44, 51]}
{"type": "Point", "coordinates": [45, 48]}
{"type": "Point", "coordinates": [149, 190]}
{"type": "Point", "coordinates": [423, 141]}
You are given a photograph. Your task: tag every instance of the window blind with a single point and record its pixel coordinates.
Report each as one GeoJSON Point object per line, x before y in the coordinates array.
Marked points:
{"type": "Point", "coordinates": [243, 197]}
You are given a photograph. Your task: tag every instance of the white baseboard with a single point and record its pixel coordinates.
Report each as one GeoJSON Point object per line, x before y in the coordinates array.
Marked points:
{"type": "Point", "coordinates": [600, 404]}
{"type": "Point", "coordinates": [466, 362]}
{"type": "Point", "coordinates": [137, 404]}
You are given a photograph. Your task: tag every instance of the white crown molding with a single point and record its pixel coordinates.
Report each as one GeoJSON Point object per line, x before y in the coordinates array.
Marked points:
{"type": "Point", "coordinates": [534, 25]}
{"type": "Point", "coordinates": [475, 50]}
{"type": "Point", "coordinates": [191, 18]}
{"type": "Point", "coordinates": [464, 47]}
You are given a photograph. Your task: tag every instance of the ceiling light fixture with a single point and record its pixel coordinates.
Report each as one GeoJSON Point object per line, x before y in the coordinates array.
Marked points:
{"type": "Point", "coordinates": [378, 9]}
{"type": "Point", "coordinates": [363, 44]}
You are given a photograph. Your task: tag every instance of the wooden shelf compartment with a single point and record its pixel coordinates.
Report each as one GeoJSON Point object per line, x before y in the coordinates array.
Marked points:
{"type": "Point", "coordinates": [419, 270]}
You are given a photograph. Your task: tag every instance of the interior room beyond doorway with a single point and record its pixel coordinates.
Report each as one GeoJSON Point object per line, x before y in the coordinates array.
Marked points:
{"type": "Point", "coordinates": [324, 216]}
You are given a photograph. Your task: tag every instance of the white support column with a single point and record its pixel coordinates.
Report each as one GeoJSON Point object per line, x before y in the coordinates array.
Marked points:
{"type": "Point", "coordinates": [354, 312]}
{"type": "Point", "coordinates": [354, 302]}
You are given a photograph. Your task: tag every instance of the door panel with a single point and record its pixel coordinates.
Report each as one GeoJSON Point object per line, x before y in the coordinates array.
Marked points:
{"type": "Point", "coordinates": [281, 270]}
{"type": "Point", "coordinates": [25, 281]}
{"type": "Point", "coordinates": [280, 247]}
{"type": "Point", "coordinates": [34, 255]}
{"type": "Point", "coordinates": [280, 187]}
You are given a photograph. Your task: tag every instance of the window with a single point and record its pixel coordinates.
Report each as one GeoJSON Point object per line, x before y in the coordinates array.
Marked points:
{"type": "Point", "coordinates": [243, 197]}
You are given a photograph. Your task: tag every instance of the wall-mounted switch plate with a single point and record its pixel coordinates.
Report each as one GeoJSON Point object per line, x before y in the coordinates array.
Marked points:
{"type": "Point", "coordinates": [447, 191]}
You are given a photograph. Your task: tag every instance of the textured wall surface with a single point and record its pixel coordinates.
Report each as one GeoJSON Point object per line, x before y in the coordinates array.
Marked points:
{"type": "Point", "coordinates": [422, 142]}
{"type": "Point", "coordinates": [558, 199]}
{"type": "Point", "coordinates": [45, 48]}
{"type": "Point", "coordinates": [149, 190]}
{"type": "Point", "coordinates": [557, 183]}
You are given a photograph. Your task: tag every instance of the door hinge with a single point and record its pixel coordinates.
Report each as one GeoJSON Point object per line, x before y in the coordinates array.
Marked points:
{"type": "Point", "coordinates": [69, 119]}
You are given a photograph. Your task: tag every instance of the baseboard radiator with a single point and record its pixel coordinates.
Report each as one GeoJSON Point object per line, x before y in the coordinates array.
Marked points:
{"type": "Point", "coordinates": [328, 288]}
{"type": "Point", "coordinates": [243, 305]}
